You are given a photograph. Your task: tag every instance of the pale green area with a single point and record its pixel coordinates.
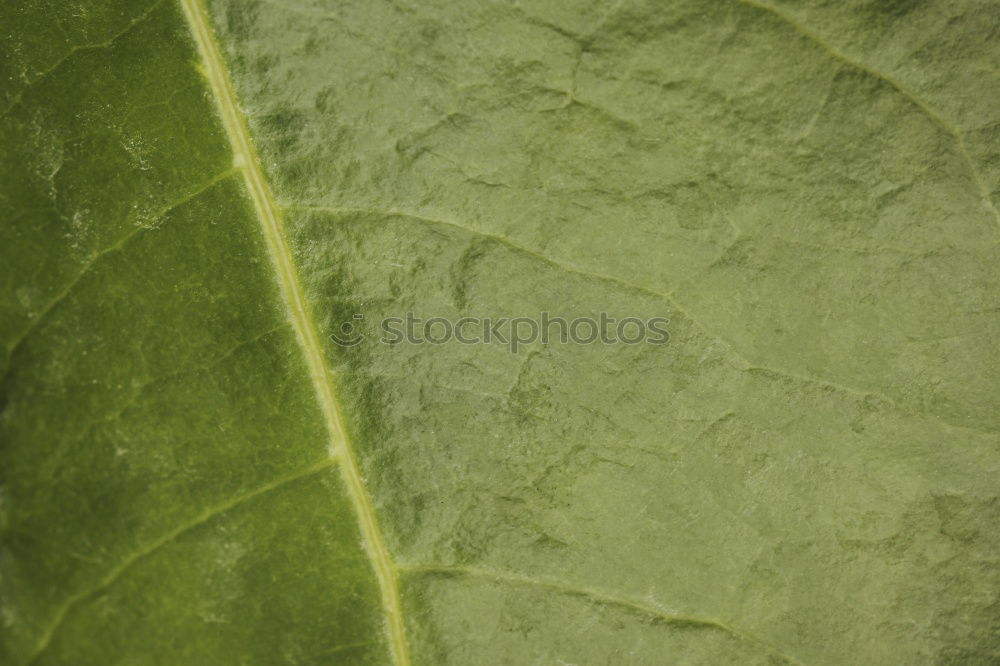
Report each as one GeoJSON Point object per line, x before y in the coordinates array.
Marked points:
{"type": "Point", "coordinates": [807, 473]}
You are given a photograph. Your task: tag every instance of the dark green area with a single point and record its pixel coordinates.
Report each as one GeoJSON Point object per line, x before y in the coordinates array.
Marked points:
{"type": "Point", "coordinates": [152, 385]}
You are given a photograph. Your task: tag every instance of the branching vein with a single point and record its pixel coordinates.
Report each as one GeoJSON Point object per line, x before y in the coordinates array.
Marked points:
{"type": "Point", "coordinates": [171, 536]}
{"type": "Point", "coordinates": [648, 609]}
{"type": "Point", "coordinates": [742, 362]}
{"type": "Point", "coordinates": [272, 226]}
{"type": "Point", "coordinates": [16, 100]}
{"type": "Point", "coordinates": [935, 116]}
{"type": "Point", "coordinates": [64, 293]}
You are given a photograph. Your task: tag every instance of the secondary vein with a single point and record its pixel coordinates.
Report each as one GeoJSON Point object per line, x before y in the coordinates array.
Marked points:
{"type": "Point", "coordinates": [933, 114]}
{"type": "Point", "coordinates": [245, 158]}
{"type": "Point", "coordinates": [167, 538]}
{"type": "Point", "coordinates": [649, 609]}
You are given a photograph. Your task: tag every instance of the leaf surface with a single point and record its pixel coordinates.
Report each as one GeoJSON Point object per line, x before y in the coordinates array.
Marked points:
{"type": "Point", "coordinates": [196, 196]}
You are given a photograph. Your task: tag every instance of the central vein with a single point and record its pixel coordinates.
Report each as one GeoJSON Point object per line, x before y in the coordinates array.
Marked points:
{"type": "Point", "coordinates": [298, 313]}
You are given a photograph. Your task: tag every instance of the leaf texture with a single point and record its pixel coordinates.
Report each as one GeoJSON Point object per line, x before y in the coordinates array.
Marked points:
{"type": "Point", "coordinates": [197, 193]}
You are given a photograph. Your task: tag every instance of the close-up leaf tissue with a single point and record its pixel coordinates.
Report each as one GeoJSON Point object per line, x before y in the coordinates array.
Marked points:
{"type": "Point", "coordinates": [499, 332]}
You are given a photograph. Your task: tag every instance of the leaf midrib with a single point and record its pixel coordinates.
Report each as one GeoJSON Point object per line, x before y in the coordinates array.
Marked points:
{"type": "Point", "coordinates": [246, 160]}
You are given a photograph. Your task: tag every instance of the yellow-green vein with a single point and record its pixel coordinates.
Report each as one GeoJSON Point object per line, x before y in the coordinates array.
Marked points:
{"type": "Point", "coordinates": [246, 160]}
{"type": "Point", "coordinates": [165, 539]}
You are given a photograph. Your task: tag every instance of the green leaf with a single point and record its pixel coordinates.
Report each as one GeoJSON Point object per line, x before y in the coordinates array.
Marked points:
{"type": "Point", "coordinates": [197, 195]}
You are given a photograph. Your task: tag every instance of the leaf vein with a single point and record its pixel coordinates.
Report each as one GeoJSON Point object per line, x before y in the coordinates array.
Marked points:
{"type": "Point", "coordinates": [145, 551]}
{"type": "Point", "coordinates": [77, 49]}
{"type": "Point", "coordinates": [651, 609]}
{"type": "Point", "coordinates": [933, 114]}
{"type": "Point", "coordinates": [64, 293]}
{"type": "Point", "coordinates": [744, 363]}
{"type": "Point", "coordinates": [272, 227]}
